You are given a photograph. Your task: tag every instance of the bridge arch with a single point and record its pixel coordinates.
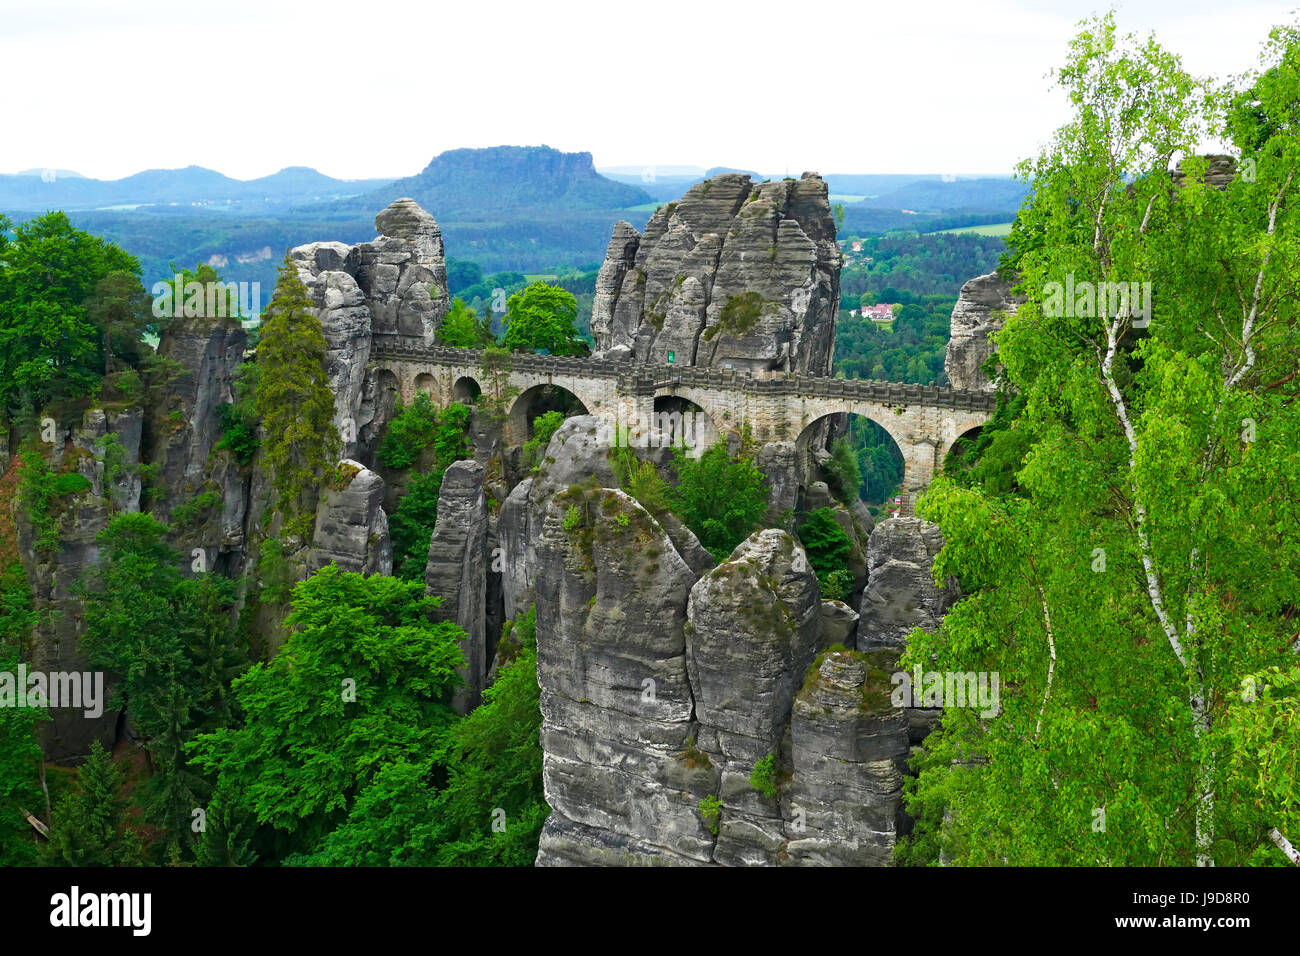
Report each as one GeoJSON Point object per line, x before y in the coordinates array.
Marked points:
{"type": "Point", "coordinates": [466, 390]}
{"type": "Point", "coordinates": [887, 465]}
{"type": "Point", "coordinates": [426, 383]}
{"type": "Point", "coordinates": [685, 420]}
{"type": "Point", "coordinates": [535, 401]}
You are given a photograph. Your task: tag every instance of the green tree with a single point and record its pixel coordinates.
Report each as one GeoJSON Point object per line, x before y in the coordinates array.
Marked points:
{"type": "Point", "coordinates": [462, 328]}
{"type": "Point", "coordinates": [490, 811]}
{"type": "Point", "coordinates": [90, 826]}
{"type": "Point", "coordinates": [294, 401]}
{"type": "Point", "coordinates": [362, 683]}
{"type": "Point", "coordinates": [722, 498]}
{"type": "Point", "coordinates": [51, 346]}
{"type": "Point", "coordinates": [1135, 591]}
{"type": "Point", "coordinates": [828, 547]}
{"type": "Point", "coordinates": [844, 471]}
{"type": "Point", "coordinates": [542, 318]}
{"type": "Point", "coordinates": [20, 754]}
{"type": "Point", "coordinates": [168, 641]}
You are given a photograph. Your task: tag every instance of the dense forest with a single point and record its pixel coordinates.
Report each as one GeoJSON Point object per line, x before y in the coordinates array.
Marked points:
{"type": "Point", "coordinates": [1122, 538]}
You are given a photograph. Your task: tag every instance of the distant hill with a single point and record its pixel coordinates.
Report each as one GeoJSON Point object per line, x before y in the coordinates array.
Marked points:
{"type": "Point", "coordinates": [469, 183]}
{"type": "Point", "coordinates": [934, 194]}
{"type": "Point", "coordinates": [58, 173]}
{"type": "Point", "coordinates": [192, 186]}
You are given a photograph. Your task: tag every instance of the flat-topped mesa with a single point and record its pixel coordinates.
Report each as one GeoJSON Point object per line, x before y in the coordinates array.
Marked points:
{"type": "Point", "coordinates": [735, 274]}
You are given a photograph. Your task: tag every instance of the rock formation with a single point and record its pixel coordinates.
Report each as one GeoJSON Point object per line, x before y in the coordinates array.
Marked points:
{"type": "Point", "coordinates": [351, 525]}
{"type": "Point", "coordinates": [983, 305]}
{"type": "Point", "coordinates": [457, 569]}
{"type": "Point", "coordinates": [901, 593]}
{"type": "Point", "coordinates": [54, 576]}
{"type": "Point", "coordinates": [735, 274]}
{"type": "Point", "coordinates": [182, 431]}
{"type": "Point", "coordinates": [395, 284]}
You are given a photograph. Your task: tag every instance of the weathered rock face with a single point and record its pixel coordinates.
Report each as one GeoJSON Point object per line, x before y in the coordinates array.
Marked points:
{"type": "Point", "coordinates": [53, 576]}
{"type": "Point", "coordinates": [397, 270]}
{"type": "Point", "coordinates": [901, 593]}
{"type": "Point", "coordinates": [616, 702]}
{"type": "Point", "coordinates": [351, 525]}
{"type": "Point", "coordinates": [345, 319]}
{"type": "Point", "coordinates": [736, 273]}
{"type": "Point", "coordinates": [983, 305]}
{"type": "Point", "coordinates": [657, 704]}
{"type": "Point", "coordinates": [457, 570]}
{"type": "Point", "coordinates": [755, 628]}
{"type": "Point", "coordinates": [182, 431]}
{"type": "Point", "coordinates": [849, 750]}
{"type": "Point", "coordinates": [394, 284]}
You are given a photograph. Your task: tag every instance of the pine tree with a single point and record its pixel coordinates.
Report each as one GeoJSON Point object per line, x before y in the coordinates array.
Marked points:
{"type": "Point", "coordinates": [294, 400]}
{"type": "Point", "coordinates": [89, 824]}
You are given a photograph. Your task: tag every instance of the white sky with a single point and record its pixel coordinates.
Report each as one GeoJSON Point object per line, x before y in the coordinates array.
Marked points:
{"type": "Point", "coordinates": [374, 88]}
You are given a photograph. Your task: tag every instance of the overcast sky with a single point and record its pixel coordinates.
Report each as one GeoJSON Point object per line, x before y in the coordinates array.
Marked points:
{"type": "Point", "coordinates": [371, 88]}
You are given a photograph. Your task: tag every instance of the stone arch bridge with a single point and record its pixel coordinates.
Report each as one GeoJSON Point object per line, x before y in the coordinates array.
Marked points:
{"type": "Point", "coordinates": [924, 421]}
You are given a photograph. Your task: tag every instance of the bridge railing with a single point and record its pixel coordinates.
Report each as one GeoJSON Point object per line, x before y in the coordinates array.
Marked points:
{"type": "Point", "coordinates": [649, 378]}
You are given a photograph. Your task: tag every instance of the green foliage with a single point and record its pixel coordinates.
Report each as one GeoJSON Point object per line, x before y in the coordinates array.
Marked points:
{"type": "Point", "coordinates": [720, 497]}
{"type": "Point", "coordinates": [419, 425]}
{"type": "Point", "coordinates": [763, 779]}
{"type": "Point", "coordinates": [413, 430]}
{"type": "Point", "coordinates": [711, 811]}
{"type": "Point", "coordinates": [185, 515]}
{"type": "Point", "coordinates": [362, 685]}
{"type": "Point", "coordinates": [1130, 513]}
{"type": "Point", "coordinates": [273, 572]}
{"type": "Point", "coordinates": [738, 316]}
{"type": "Point", "coordinates": [828, 546]}
{"type": "Point", "coordinates": [39, 491]}
{"type": "Point", "coordinates": [410, 431]}
{"type": "Point", "coordinates": [844, 471]}
{"type": "Point", "coordinates": [61, 292]}
{"type": "Point", "coordinates": [412, 524]}
{"type": "Point", "coordinates": [544, 427]}
{"type": "Point", "coordinates": [90, 826]}
{"type": "Point", "coordinates": [541, 319]}
{"type": "Point", "coordinates": [239, 431]}
{"type": "Point", "coordinates": [491, 809]}
{"type": "Point", "coordinates": [294, 400]}
{"type": "Point", "coordinates": [20, 754]}
{"type": "Point", "coordinates": [167, 641]}
{"type": "Point", "coordinates": [572, 518]}
{"type": "Point", "coordinates": [462, 328]}
{"type": "Point", "coordinates": [494, 760]}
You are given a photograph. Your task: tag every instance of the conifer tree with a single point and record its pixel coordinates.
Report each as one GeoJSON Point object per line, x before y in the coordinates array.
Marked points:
{"type": "Point", "coordinates": [294, 400]}
{"type": "Point", "coordinates": [89, 824]}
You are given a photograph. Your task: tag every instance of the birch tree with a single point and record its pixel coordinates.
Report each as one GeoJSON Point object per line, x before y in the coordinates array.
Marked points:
{"type": "Point", "coordinates": [1138, 590]}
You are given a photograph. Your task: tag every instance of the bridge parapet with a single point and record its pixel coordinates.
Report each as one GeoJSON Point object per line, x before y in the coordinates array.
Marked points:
{"type": "Point", "coordinates": [645, 378]}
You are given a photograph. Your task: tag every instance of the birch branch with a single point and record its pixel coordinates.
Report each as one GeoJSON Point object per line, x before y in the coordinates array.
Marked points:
{"type": "Point", "coordinates": [1283, 844]}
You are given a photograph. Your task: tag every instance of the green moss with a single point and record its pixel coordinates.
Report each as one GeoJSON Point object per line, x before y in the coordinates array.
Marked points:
{"type": "Point", "coordinates": [738, 316]}
{"type": "Point", "coordinates": [343, 475]}
{"type": "Point", "coordinates": [188, 514]}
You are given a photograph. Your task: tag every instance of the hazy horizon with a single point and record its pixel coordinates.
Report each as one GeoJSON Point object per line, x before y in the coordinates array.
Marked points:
{"type": "Point", "coordinates": [375, 92]}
